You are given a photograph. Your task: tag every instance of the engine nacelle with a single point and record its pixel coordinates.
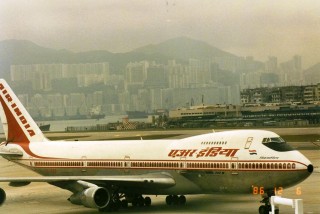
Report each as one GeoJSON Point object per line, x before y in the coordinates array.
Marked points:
{"type": "Point", "coordinates": [93, 197]}
{"type": "Point", "coordinates": [3, 196]}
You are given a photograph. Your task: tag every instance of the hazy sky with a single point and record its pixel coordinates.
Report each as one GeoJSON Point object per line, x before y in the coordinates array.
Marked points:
{"type": "Point", "coordinates": [259, 28]}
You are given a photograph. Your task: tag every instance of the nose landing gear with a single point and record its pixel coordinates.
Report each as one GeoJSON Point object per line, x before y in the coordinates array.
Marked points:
{"type": "Point", "coordinates": [266, 208]}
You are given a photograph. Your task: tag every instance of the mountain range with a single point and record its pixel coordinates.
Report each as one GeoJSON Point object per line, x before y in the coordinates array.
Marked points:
{"type": "Point", "coordinates": [15, 52]}
{"type": "Point", "coordinates": [20, 52]}
{"type": "Point", "coordinates": [183, 48]}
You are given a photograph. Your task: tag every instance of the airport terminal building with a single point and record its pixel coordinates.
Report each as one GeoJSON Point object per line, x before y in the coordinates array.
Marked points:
{"type": "Point", "coordinates": [248, 115]}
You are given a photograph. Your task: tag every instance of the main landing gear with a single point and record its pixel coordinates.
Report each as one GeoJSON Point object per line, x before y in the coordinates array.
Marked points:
{"type": "Point", "coordinates": [140, 201]}
{"type": "Point", "coordinates": [122, 201]}
{"type": "Point", "coordinates": [266, 208]}
{"type": "Point", "coordinates": [176, 200]}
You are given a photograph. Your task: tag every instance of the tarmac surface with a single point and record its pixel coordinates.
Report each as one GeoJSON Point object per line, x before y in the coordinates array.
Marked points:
{"type": "Point", "coordinates": [44, 198]}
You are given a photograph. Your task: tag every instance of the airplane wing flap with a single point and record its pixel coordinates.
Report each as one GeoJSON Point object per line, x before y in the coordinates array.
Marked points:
{"type": "Point", "coordinates": [160, 180]}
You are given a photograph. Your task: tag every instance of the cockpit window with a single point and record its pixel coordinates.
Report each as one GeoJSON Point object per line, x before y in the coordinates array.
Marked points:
{"type": "Point", "coordinates": [277, 144]}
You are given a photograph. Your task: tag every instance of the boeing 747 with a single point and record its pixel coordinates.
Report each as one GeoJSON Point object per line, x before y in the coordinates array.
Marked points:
{"type": "Point", "coordinates": [107, 175]}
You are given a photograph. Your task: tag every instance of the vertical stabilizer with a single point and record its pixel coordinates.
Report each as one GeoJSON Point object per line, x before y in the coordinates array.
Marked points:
{"type": "Point", "coordinates": [17, 122]}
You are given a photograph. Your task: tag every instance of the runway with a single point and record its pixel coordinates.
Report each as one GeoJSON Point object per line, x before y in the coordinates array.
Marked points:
{"type": "Point", "coordinates": [44, 198]}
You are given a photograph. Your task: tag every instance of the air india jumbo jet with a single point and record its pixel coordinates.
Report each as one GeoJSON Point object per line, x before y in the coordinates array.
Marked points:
{"type": "Point", "coordinates": [107, 175]}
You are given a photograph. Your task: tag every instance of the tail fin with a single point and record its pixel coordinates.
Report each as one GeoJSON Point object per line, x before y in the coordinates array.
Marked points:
{"type": "Point", "coordinates": [17, 122]}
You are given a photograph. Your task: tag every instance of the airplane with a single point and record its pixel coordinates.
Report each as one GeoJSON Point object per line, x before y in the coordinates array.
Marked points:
{"type": "Point", "coordinates": [108, 175]}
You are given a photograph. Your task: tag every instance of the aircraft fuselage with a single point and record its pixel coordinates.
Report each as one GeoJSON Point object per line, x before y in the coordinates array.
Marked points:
{"type": "Point", "coordinates": [210, 163]}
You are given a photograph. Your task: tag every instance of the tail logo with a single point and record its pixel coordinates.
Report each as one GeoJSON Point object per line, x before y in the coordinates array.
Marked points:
{"type": "Point", "coordinates": [17, 111]}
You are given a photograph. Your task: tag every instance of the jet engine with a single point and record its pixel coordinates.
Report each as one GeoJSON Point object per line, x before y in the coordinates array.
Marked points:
{"type": "Point", "coordinates": [2, 196]}
{"type": "Point", "coordinates": [93, 197]}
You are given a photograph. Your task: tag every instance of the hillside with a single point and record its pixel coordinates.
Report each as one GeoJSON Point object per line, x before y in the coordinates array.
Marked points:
{"type": "Point", "coordinates": [183, 48]}
{"type": "Point", "coordinates": [15, 52]}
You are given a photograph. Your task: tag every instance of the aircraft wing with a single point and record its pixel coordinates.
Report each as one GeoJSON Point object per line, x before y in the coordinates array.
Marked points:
{"type": "Point", "coordinates": [151, 180]}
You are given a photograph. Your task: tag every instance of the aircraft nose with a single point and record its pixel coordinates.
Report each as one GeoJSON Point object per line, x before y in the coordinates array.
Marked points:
{"type": "Point", "coordinates": [310, 168]}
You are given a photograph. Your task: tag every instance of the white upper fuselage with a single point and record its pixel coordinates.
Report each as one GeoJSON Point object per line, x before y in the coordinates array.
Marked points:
{"type": "Point", "coordinates": [231, 161]}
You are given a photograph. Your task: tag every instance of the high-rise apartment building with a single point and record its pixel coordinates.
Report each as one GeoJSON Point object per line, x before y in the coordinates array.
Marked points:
{"type": "Point", "coordinates": [291, 72]}
{"type": "Point", "coordinates": [200, 72]}
{"type": "Point", "coordinates": [178, 75]}
{"type": "Point", "coordinates": [41, 75]}
{"type": "Point", "coordinates": [136, 74]}
{"type": "Point", "coordinates": [271, 65]}
{"type": "Point", "coordinates": [156, 77]}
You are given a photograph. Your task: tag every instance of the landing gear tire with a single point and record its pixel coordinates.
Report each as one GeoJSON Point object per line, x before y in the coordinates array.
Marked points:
{"type": "Point", "coordinates": [263, 209]}
{"type": "Point", "coordinates": [140, 201]}
{"type": "Point", "coordinates": [169, 200]}
{"type": "Point", "coordinates": [182, 200]}
{"type": "Point", "coordinates": [266, 208]}
{"type": "Point", "coordinates": [176, 200]}
{"type": "Point", "coordinates": [147, 201]}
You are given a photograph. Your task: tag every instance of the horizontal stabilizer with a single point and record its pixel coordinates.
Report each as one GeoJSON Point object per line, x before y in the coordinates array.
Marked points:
{"type": "Point", "coordinates": [10, 152]}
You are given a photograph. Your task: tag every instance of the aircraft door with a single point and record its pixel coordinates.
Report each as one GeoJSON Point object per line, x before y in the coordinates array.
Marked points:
{"type": "Point", "coordinates": [248, 142]}
{"type": "Point", "coordinates": [234, 165]}
{"type": "Point", "coordinates": [182, 165]}
{"type": "Point", "coordinates": [84, 164]}
{"type": "Point", "coordinates": [126, 163]}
